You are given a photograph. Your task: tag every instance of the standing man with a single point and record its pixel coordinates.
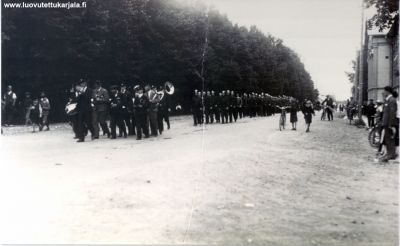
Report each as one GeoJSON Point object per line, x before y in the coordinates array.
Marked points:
{"type": "Point", "coordinates": [28, 107]}
{"type": "Point", "coordinates": [116, 114]}
{"type": "Point", "coordinates": [84, 112]}
{"type": "Point", "coordinates": [163, 108]}
{"type": "Point", "coordinates": [389, 124]}
{"type": "Point", "coordinates": [140, 107]}
{"type": "Point", "coordinates": [329, 107]}
{"type": "Point", "coordinates": [153, 109]}
{"type": "Point", "coordinates": [215, 107]}
{"type": "Point", "coordinates": [207, 106]}
{"type": "Point", "coordinates": [224, 107]}
{"type": "Point", "coordinates": [127, 108]}
{"type": "Point", "coordinates": [101, 103]}
{"type": "Point", "coordinates": [9, 106]}
{"type": "Point", "coordinates": [45, 105]}
{"type": "Point", "coordinates": [371, 111]}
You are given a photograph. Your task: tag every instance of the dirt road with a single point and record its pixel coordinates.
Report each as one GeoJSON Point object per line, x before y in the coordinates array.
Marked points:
{"type": "Point", "coordinates": [245, 184]}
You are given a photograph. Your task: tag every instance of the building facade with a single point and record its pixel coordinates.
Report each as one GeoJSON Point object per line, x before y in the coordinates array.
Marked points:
{"type": "Point", "coordinates": [379, 59]}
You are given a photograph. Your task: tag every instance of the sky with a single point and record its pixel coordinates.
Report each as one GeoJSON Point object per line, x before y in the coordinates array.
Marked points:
{"type": "Point", "coordinates": [326, 34]}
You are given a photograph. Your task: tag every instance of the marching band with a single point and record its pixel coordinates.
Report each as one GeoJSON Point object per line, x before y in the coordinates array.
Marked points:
{"type": "Point", "coordinates": [140, 112]}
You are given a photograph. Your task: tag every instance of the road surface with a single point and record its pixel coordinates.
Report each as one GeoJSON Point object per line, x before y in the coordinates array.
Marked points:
{"type": "Point", "coordinates": [244, 184]}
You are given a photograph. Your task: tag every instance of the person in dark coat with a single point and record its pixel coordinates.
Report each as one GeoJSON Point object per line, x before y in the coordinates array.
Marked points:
{"type": "Point", "coordinates": [10, 109]}
{"type": "Point", "coordinates": [101, 109]}
{"type": "Point", "coordinates": [84, 112]}
{"type": "Point", "coordinates": [27, 107]}
{"type": "Point", "coordinates": [116, 113]}
{"type": "Point", "coordinates": [36, 115]}
{"type": "Point", "coordinates": [153, 98]}
{"type": "Point", "coordinates": [224, 106]}
{"type": "Point", "coordinates": [45, 104]}
{"type": "Point", "coordinates": [371, 111]}
{"type": "Point", "coordinates": [163, 109]}
{"type": "Point", "coordinates": [197, 108]}
{"type": "Point", "coordinates": [329, 107]}
{"type": "Point", "coordinates": [215, 107]}
{"type": "Point", "coordinates": [293, 114]}
{"type": "Point", "coordinates": [127, 109]}
{"type": "Point", "coordinates": [389, 124]}
{"type": "Point", "coordinates": [308, 112]}
{"type": "Point", "coordinates": [140, 107]}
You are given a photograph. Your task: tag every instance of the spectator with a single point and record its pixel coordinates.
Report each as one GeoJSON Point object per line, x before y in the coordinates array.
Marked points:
{"type": "Point", "coordinates": [45, 104]}
{"type": "Point", "coordinates": [389, 124]}
{"type": "Point", "coordinates": [27, 107]}
{"type": "Point", "coordinates": [371, 111]}
{"type": "Point", "coordinates": [9, 106]}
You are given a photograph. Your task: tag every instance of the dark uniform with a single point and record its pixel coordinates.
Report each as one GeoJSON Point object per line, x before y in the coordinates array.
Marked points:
{"type": "Point", "coordinates": [117, 114]}
{"type": "Point", "coordinates": [140, 107]}
{"type": "Point", "coordinates": [224, 106]}
{"type": "Point", "coordinates": [127, 110]}
{"type": "Point", "coordinates": [101, 109]}
{"type": "Point", "coordinates": [214, 108]}
{"type": "Point", "coordinates": [197, 109]}
{"type": "Point", "coordinates": [207, 107]}
{"type": "Point", "coordinates": [84, 114]}
{"type": "Point", "coordinates": [163, 111]}
{"type": "Point", "coordinates": [152, 111]}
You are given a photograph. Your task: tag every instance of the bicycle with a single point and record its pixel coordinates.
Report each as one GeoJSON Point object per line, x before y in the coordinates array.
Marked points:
{"type": "Point", "coordinates": [374, 136]}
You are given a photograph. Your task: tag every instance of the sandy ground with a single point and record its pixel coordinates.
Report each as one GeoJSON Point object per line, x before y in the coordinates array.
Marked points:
{"type": "Point", "coordinates": [243, 184]}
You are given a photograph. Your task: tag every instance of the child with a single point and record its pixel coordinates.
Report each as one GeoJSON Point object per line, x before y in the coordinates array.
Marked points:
{"type": "Point", "coordinates": [308, 111]}
{"type": "Point", "coordinates": [36, 115]}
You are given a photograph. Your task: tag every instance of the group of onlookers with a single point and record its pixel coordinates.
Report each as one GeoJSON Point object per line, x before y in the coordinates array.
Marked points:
{"type": "Point", "coordinates": [35, 110]}
{"type": "Point", "coordinates": [385, 116]}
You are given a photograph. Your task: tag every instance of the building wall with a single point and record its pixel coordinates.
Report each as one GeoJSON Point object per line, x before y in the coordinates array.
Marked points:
{"type": "Point", "coordinates": [379, 66]}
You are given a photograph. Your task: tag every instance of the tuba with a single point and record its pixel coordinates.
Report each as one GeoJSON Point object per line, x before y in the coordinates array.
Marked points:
{"type": "Point", "coordinates": [168, 88]}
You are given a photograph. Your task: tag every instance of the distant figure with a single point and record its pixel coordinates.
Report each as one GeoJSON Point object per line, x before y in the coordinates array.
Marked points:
{"type": "Point", "coordinates": [371, 111]}
{"type": "Point", "coordinates": [308, 112]}
{"type": "Point", "coordinates": [329, 107]}
{"type": "Point", "coordinates": [293, 113]}
{"type": "Point", "coordinates": [9, 106]}
{"type": "Point", "coordinates": [27, 108]}
{"type": "Point", "coordinates": [45, 105]}
{"type": "Point", "coordinates": [36, 115]}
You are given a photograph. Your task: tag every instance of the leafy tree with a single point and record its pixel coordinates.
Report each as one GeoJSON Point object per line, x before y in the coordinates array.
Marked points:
{"type": "Point", "coordinates": [387, 12]}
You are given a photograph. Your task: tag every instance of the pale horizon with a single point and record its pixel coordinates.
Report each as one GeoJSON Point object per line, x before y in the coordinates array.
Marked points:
{"type": "Point", "coordinates": [325, 34]}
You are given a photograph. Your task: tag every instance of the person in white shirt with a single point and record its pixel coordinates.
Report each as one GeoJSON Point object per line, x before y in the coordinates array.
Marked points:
{"type": "Point", "coordinates": [10, 99]}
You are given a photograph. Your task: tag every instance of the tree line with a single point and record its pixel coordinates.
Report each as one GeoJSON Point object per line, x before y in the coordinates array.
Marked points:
{"type": "Point", "coordinates": [140, 42]}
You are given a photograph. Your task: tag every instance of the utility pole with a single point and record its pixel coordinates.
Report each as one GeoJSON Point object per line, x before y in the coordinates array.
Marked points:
{"type": "Point", "coordinates": [361, 66]}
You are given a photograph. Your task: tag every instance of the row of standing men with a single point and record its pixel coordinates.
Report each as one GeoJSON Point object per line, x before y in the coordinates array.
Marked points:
{"type": "Point", "coordinates": [139, 112]}
{"type": "Point", "coordinates": [227, 106]}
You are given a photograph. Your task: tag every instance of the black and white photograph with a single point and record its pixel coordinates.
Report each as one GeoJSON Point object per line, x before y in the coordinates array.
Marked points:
{"type": "Point", "coordinates": [199, 122]}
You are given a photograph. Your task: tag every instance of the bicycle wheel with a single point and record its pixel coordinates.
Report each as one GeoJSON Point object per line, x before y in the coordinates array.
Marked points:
{"type": "Point", "coordinates": [375, 137]}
